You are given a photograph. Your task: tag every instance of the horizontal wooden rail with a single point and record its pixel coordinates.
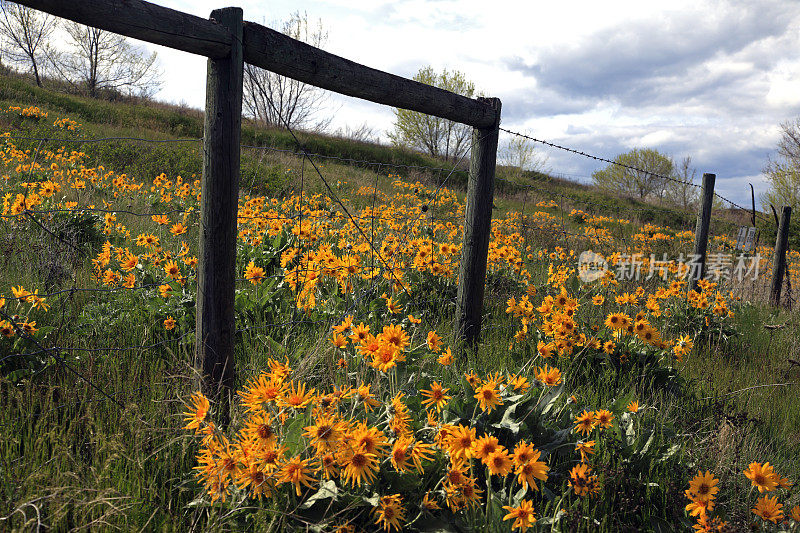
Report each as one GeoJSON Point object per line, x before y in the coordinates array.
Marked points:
{"type": "Point", "coordinates": [144, 21]}
{"type": "Point", "coordinates": [274, 51]}
{"type": "Point", "coordinates": [271, 50]}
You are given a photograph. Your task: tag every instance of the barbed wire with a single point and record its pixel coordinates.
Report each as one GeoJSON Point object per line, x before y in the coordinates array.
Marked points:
{"type": "Point", "coordinates": [351, 160]}
{"type": "Point", "coordinates": [259, 217]}
{"type": "Point", "coordinates": [629, 167]}
{"type": "Point", "coordinates": [451, 170]}
{"type": "Point", "coordinates": [99, 139]}
{"type": "Point", "coordinates": [345, 215]}
{"type": "Point", "coordinates": [649, 210]}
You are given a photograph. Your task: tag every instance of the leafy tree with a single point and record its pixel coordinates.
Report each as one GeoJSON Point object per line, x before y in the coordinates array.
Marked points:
{"type": "Point", "coordinates": [276, 100]}
{"type": "Point", "coordinates": [99, 60]}
{"type": "Point", "coordinates": [436, 136]}
{"type": "Point", "coordinates": [647, 182]}
{"type": "Point", "coordinates": [783, 173]}
{"type": "Point", "coordinates": [26, 34]}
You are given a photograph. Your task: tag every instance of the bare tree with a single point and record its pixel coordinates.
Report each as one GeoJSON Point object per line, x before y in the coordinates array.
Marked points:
{"type": "Point", "coordinates": [783, 172]}
{"type": "Point", "coordinates": [99, 60]}
{"type": "Point", "coordinates": [684, 192]}
{"type": "Point", "coordinates": [519, 154]}
{"type": "Point", "coordinates": [362, 133]}
{"type": "Point", "coordinates": [276, 100]}
{"type": "Point", "coordinates": [26, 35]}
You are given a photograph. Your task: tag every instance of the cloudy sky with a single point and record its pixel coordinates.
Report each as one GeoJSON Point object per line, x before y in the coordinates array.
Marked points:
{"type": "Point", "coordinates": [702, 78]}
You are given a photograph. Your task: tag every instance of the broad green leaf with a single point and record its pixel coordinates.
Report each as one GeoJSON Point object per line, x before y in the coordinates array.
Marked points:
{"type": "Point", "coordinates": [549, 399]}
{"type": "Point", "coordinates": [372, 500]}
{"type": "Point", "coordinates": [293, 437]}
{"type": "Point", "coordinates": [327, 490]}
{"type": "Point", "coordinates": [670, 452]}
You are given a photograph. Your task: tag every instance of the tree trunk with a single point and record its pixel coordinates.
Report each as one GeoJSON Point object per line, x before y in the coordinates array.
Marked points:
{"type": "Point", "coordinates": [36, 73]}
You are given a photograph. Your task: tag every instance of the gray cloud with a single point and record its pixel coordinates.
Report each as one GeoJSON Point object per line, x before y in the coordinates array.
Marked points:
{"type": "Point", "coordinates": [698, 85]}
{"type": "Point", "coordinates": [520, 105]}
{"type": "Point", "coordinates": [636, 62]}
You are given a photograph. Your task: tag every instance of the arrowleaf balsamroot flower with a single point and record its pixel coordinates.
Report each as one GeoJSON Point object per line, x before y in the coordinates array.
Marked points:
{"type": "Point", "coordinates": [434, 342]}
{"type": "Point", "coordinates": [359, 466]}
{"type": "Point", "coordinates": [550, 376]}
{"type": "Point", "coordinates": [488, 396]}
{"type": "Point", "coordinates": [585, 422]}
{"type": "Point", "coordinates": [325, 434]}
{"type": "Point", "coordinates": [389, 512]}
{"type": "Point", "coordinates": [435, 397]}
{"type": "Point", "coordinates": [253, 273]}
{"type": "Point", "coordinates": [683, 346]}
{"type": "Point", "coordinates": [603, 418]}
{"type": "Point", "coordinates": [296, 471]}
{"type": "Point", "coordinates": [6, 329]}
{"type": "Point", "coordinates": [703, 487]}
{"type": "Point", "coordinates": [446, 358]}
{"type": "Point", "coordinates": [531, 470]}
{"type": "Point", "coordinates": [581, 480]}
{"type": "Point", "coordinates": [523, 515]}
{"type": "Point", "coordinates": [461, 442]}
{"type": "Point", "coordinates": [769, 509]}
{"type": "Point", "coordinates": [172, 270]}
{"type": "Point", "coordinates": [485, 446]}
{"type": "Point", "coordinates": [585, 448]}
{"type": "Point", "coordinates": [762, 476]}
{"type": "Point", "coordinates": [499, 463]}
{"type": "Point", "coordinates": [197, 415]}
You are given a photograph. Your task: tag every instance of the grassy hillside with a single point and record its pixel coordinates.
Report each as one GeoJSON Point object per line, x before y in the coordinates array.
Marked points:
{"type": "Point", "coordinates": [263, 170]}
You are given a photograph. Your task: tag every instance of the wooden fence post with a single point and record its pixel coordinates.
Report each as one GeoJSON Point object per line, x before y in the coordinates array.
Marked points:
{"type": "Point", "coordinates": [477, 230]}
{"type": "Point", "coordinates": [702, 227]}
{"type": "Point", "coordinates": [215, 326]}
{"type": "Point", "coordinates": [779, 256]}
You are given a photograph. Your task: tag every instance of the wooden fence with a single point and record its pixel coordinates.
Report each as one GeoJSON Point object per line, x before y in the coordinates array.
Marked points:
{"type": "Point", "coordinates": [228, 42]}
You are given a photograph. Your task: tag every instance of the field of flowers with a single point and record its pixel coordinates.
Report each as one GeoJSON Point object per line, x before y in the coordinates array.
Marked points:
{"type": "Point", "coordinates": [356, 411]}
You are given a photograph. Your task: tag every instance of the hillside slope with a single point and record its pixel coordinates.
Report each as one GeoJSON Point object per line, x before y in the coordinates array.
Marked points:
{"type": "Point", "coordinates": [263, 170]}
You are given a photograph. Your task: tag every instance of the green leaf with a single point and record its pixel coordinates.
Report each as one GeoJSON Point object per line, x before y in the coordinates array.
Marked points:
{"type": "Point", "coordinates": [549, 399]}
{"type": "Point", "coordinates": [669, 453]}
{"type": "Point", "coordinates": [293, 437]}
{"type": "Point", "coordinates": [559, 437]}
{"type": "Point", "coordinates": [509, 420]}
{"type": "Point", "coordinates": [275, 347]}
{"type": "Point", "coordinates": [515, 501]}
{"type": "Point", "coordinates": [626, 423]}
{"type": "Point", "coordinates": [327, 490]}
{"type": "Point", "coordinates": [648, 443]}
{"type": "Point", "coordinates": [372, 500]}
{"type": "Point", "coordinates": [550, 520]}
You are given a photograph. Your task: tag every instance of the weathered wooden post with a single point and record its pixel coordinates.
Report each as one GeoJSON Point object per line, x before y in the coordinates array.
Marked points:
{"type": "Point", "coordinates": [779, 256]}
{"type": "Point", "coordinates": [477, 230]}
{"type": "Point", "coordinates": [702, 228]}
{"type": "Point", "coordinates": [215, 327]}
